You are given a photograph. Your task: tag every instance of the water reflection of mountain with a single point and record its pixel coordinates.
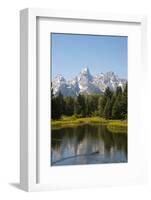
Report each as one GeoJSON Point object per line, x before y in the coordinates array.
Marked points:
{"type": "Point", "coordinates": [79, 144]}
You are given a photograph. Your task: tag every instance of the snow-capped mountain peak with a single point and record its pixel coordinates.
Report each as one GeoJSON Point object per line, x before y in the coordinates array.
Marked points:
{"type": "Point", "coordinates": [85, 70]}
{"type": "Point", "coordinates": [59, 78]}
{"type": "Point", "coordinates": [85, 83]}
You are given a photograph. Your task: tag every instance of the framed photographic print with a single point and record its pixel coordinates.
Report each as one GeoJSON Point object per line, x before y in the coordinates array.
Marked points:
{"type": "Point", "coordinates": [81, 80]}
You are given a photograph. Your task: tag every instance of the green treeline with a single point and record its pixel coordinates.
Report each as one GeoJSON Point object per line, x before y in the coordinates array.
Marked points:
{"type": "Point", "coordinates": [110, 105]}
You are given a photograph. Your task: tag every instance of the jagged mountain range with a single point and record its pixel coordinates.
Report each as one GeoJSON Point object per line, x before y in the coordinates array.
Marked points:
{"type": "Point", "coordinates": [85, 83]}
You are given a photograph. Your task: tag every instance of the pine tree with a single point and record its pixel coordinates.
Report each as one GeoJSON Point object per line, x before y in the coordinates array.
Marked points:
{"type": "Point", "coordinates": [52, 105]}
{"type": "Point", "coordinates": [108, 93]}
{"type": "Point", "coordinates": [61, 104]}
{"type": "Point", "coordinates": [76, 107]}
{"type": "Point", "coordinates": [107, 109]}
{"type": "Point", "coordinates": [118, 91]}
{"type": "Point", "coordinates": [57, 106]}
{"type": "Point", "coordinates": [81, 105]}
{"type": "Point", "coordinates": [69, 106]}
{"type": "Point", "coordinates": [105, 104]}
{"type": "Point", "coordinates": [116, 110]}
{"type": "Point", "coordinates": [101, 105]}
{"type": "Point", "coordinates": [124, 103]}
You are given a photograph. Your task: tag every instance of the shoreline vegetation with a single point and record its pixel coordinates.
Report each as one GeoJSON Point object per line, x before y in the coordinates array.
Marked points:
{"type": "Point", "coordinates": [115, 126]}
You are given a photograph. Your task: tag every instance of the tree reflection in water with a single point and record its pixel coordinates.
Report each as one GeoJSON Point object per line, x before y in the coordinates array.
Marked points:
{"type": "Point", "coordinates": [87, 144]}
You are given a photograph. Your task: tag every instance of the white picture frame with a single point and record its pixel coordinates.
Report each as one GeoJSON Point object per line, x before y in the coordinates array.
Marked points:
{"type": "Point", "coordinates": [29, 103]}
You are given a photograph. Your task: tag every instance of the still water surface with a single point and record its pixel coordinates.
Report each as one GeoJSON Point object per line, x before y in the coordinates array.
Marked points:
{"type": "Point", "coordinates": [87, 144]}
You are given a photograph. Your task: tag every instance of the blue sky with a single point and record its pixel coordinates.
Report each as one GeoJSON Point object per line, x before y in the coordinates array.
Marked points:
{"type": "Point", "coordinates": [73, 52]}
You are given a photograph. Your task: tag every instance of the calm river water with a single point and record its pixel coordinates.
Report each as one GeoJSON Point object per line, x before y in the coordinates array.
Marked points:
{"type": "Point", "coordinates": [87, 144]}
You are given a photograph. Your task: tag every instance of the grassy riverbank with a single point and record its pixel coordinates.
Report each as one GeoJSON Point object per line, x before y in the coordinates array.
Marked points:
{"type": "Point", "coordinates": [112, 125]}
{"type": "Point", "coordinates": [117, 126]}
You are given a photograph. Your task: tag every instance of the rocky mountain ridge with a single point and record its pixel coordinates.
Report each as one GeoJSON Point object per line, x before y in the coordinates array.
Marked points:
{"type": "Point", "coordinates": [85, 83]}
